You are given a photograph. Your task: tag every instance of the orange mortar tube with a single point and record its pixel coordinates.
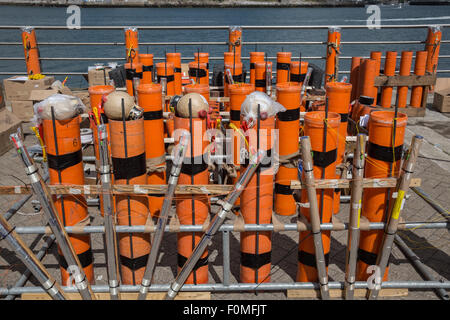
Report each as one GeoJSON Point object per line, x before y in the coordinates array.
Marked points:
{"type": "Point", "coordinates": [324, 165]}
{"type": "Point", "coordinates": [166, 70]}
{"type": "Point", "coordinates": [354, 77]}
{"type": "Point", "coordinates": [383, 160]}
{"type": "Point", "coordinates": [128, 160]}
{"type": "Point", "coordinates": [236, 72]}
{"type": "Point", "coordinates": [65, 166]}
{"type": "Point", "coordinates": [132, 44]}
{"type": "Point", "coordinates": [175, 58]}
{"type": "Point", "coordinates": [150, 99]}
{"type": "Point", "coordinates": [405, 70]}
{"type": "Point", "coordinates": [260, 75]}
{"type": "Point", "coordinates": [255, 57]}
{"type": "Point", "coordinates": [132, 70]}
{"type": "Point", "coordinates": [283, 66]}
{"type": "Point", "coordinates": [256, 208]}
{"type": "Point", "coordinates": [235, 41]}
{"type": "Point", "coordinates": [389, 70]}
{"type": "Point", "coordinates": [339, 94]}
{"type": "Point", "coordinates": [419, 70]}
{"type": "Point", "coordinates": [198, 71]}
{"type": "Point", "coordinates": [288, 125]}
{"type": "Point", "coordinates": [147, 67]}
{"type": "Point", "coordinates": [432, 46]}
{"type": "Point", "coordinates": [376, 55]}
{"type": "Point", "coordinates": [31, 51]}
{"type": "Point", "coordinates": [202, 89]}
{"type": "Point", "coordinates": [367, 74]}
{"type": "Point", "coordinates": [332, 56]}
{"type": "Point", "coordinates": [297, 76]}
{"type": "Point", "coordinates": [193, 209]}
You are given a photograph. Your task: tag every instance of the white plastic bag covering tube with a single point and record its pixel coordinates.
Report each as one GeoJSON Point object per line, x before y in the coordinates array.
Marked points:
{"type": "Point", "coordinates": [65, 106]}
{"type": "Point", "coordinates": [268, 107]}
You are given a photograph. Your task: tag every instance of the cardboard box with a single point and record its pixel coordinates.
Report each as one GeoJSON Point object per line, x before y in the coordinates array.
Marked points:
{"type": "Point", "coordinates": [442, 95]}
{"type": "Point", "coordinates": [98, 77]}
{"type": "Point", "coordinates": [8, 124]}
{"type": "Point", "coordinates": [39, 95]}
{"type": "Point", "coordinates": [2, 96]}
{"type": "Point", "coordinates": [23, 109]}
{"type": "Point", "coordinates": [19, 87]}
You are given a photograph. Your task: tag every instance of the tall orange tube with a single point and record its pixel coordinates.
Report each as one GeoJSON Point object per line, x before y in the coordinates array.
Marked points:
{"type": "Point", "coordinates": [132, 71]}
{"type": "Point", "coordinates": [132, 44]}
{"type": "Point", "coordinates": [147, 67]}
{"type": "Point", "coordinates": [332, 57]}
{"type": "Point", "coordinates": [198, 71]}
{"type": "Point", "coordinates": [150, 99]}
{"type": "Point", "coordinates": [175, 58]}
{"type": "Point", "coordinates": [283, 66]}
{"type": "Point", "coordinates": [432, 46]}
{"type": "Point", "coordinates": [324, 165]}
{"type": "Point", "coordinates": [31, 51]}
{"type": "Point", "coordinates": [354, 77]}
{"type": "Point", "coordinates": [297, 74]}
{"type": "Point", "coordinates": [202, 57]}
{"type": "Point", "coordinates": [419, 70]}
{"type": "Point", "coordinates": [236, 72]}
{"type": "Point", "coordinates": [389, 70]}
{"type": "Point", "coordinates": [288, 125]}
{"type": "Point", "coordinates": [368, 70]}
{"type": "Point", "coordinates": [383, 160]}
{"type": "Point", "coordinates": [405, 70]}
{"type": "Point", "coordinates": [193, 209]}
{"type": "Point", "coordinates": [256, 207]}
{"type": "Point", "coordinates": [128, 160]}
{"type": "Point", "coordinates": [235, 41]}
{"type": "Point", "coordinates": [338, 94]}
{"type": "Point", "coordinates": [255, 57]}
{"type": "Point", "coordinates": [63, 145]}
{"type": "Point", "coordinates": [260, 75]}
{"type": "Point", "coordinates": [376, 55]}
{"type": "Point", "coordinates": [166, 70]}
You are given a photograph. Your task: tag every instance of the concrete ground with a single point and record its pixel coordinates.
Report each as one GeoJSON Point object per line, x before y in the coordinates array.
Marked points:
{"type": "Point", "coordinates": [432, 246]}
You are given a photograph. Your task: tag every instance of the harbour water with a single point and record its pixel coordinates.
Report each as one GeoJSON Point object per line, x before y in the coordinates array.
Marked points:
{"type": "Point", "coordinates": [35, 16]}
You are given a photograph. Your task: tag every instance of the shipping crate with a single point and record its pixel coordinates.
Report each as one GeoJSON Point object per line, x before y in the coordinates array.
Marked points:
{"type": "Point", "coordinates": [19, 87]}
{"type": "Point", "coordinates": [442, 95]}
{"type": "Point", "coordinates": [8, 124]}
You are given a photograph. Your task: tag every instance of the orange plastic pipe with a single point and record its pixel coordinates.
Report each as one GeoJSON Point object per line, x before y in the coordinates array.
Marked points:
{"type": "Point", "coordinates": [31, 51]}
{"type": "Point", "coordinates": [236, 72]}
{"type": "Point", "coordinates": [128, 161]}
{"type": "Point", "coordinates": [166, 70]}
{"type": "Point", "coordinates": [175, 58]}
{"type": "Point", "coordinates": [389, 70]}
{"type": "Point", "coordinates": [235, 41]}
{"type": "Point", "coordinates": [228, 58]}
{"type": "Point", "coordinates": [202, 89]}
{"type": "Point", "coordinates": [260, 75]}
{"type": "Point", "coordinates": [297, 75]}
{"type": "Point", "coordinates": [193, 209]}
{"type": "Point", "coordinates": [132, 44]}
{"type": "Point", "coordinates": [419, 70]}
{"type": "Point", "coordinates": [367, 79]}
{"type": "Point", "coordinates": [432, 46]}
{"type": "Point", "coordinates": [383, 160]}
{"type": "Point", "coordinates": [198, 71]}
{"type": "Point", "coordinates": [66, 167]}
{"type": "Point", "coordinates": [354, 77]}
{"type": "Point", "coordinates": [150, 99]}
{"type": "Point", "coordinates": [288, 125]}
{"type": "Point", "coordinates": [204, 58]}
{"type": "Point", "coordinates": [283, 66]}
{"type": "Point", "coordinates": [132, 70]}
{"type": "Point", "coordinates": [256, 208]}
{"type": "Point", "coordinates": [339, 94]}
{"type": "Point", "coordinates": [332, 56]}
{"type": "Point", "coordinates": [314, 128]}
{"type": "Point", "coordinates": [405, 70]}
{"type": "Point", "coordinates": [147, 67]}
{"type": "Point", "coordinates": [376, 55]}
{"type": "Point", "coordinates": [255, 57]}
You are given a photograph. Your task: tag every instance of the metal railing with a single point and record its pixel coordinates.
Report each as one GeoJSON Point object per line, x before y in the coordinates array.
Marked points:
{"type": "Point", "coordinates": [210, 43]}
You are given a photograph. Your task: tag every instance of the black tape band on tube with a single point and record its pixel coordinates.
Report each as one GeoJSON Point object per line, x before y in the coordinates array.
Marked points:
{"type": "Point", "coordinates": [128, 168]}
{"type": "Point", "coordinates": [309, 259]}
{"type": "Point", "coordinates": [385, 154]}
{"type": "Point", "coordinates": [169, 78]}
{"type": "Point", "coordinates": [147, 68]}
{"type": "Point", "coordinates": [64, 161]}
{"type": "Point", "coordinates": [181, 260]}
{"type": "Point", "coordinates": [295, 77]}
{"type": "Point", "coordinates": [135, 263]}
{"type": "Point", "coordinates": [194, 72]}
{"type": "Point", "coordinates": [289, 115]}
{"type": "Point", "coordinates": [283, 189]}
{"type": "Point", "coordinates": [255, 261]}
{"type": "Point", "coordinates": [283, 66]}
{"type": "Point", "coordinates": [324, 159]}
{"type": "Point", "coordinates": [235, 115]}
{"type": "Point", "coordinates": [85, 258]}
{"type": "Point", "coordinates": [195, 166]}
{"type": "Point", "coordinates": [153, 115]}
{"type": "Point", "coordinates": [260, 83]}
